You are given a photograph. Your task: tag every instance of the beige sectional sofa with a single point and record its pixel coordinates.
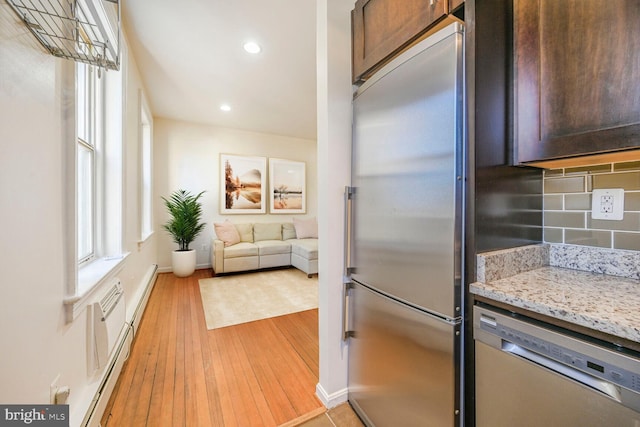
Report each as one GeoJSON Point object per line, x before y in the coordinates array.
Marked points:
{"type": "Point", "coordinates": [245, 246]}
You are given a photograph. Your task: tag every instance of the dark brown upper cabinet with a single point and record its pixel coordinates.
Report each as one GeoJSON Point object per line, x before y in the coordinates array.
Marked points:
{"type": "Point", "coordinates": [455, 5]}
{"type": "Point", "coordinates": [382, 28]}
{"type": "Point", "coordinates": [577, 78]}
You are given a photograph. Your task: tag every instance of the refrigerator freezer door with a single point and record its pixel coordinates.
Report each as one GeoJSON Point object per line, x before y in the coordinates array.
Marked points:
{"type": "Point", "coordinates": [401, 363]}
{"type": "Point", "coordinates": [408, 177]}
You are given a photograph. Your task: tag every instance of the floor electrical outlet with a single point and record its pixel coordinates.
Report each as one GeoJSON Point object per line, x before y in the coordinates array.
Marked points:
{"type": "Point", "coordinates": [607, 204]}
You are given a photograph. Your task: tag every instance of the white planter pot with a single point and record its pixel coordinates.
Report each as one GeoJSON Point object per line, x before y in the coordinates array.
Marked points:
{"type": "Point", "coordinates": [183, 262]}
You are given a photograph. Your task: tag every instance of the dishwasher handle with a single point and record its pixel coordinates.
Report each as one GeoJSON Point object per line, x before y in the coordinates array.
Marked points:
{"type": "Point", "coordinates": [595, 383]}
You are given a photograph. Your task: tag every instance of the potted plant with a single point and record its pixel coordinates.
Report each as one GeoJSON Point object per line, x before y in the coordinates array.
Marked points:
{"type": "Point", "coordinates": [184, 226]}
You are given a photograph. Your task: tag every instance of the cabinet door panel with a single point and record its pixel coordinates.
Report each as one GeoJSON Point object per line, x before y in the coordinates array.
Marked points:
{"type": "Point", "coordinates": [577, 71]}
{"type": "Point", "coordinates": [383, 27]}
{"type": "Point", "coordinates": [455, 4]}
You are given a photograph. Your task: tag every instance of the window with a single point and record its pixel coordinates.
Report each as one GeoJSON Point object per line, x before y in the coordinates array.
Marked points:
{"type": "Point", "coordinates": [95, 253]}
{"type": "Point", "coordinates": [99, 175]}
{"type": "Point", "coordinates": [86, 211]}
{"type": "Point", "coordinates": [88, 100]}
{"type": "Point", "coordinates": [146, 227]}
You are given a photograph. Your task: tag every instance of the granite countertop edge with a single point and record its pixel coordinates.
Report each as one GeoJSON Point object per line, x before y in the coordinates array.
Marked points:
{"type": "Point", "coordinates": [523, 278]}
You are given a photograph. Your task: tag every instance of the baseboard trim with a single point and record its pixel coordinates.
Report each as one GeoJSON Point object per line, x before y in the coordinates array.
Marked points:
{"type": "Point", "coordinates": [170, 270]}
{"type": "Point", "coordinates": [333, 399]}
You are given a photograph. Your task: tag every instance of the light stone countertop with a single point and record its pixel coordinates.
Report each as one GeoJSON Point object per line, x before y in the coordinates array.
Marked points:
{"type": "Point", "coordinates": [605, 303]}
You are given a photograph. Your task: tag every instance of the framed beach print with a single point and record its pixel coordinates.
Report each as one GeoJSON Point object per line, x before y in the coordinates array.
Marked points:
{"type": "Point", "coordinates": [243, 186]}
{"type": "Point", "coordinates": [287, 187]}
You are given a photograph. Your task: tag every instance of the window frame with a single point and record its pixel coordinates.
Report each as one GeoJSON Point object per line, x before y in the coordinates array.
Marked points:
{"type": "Point", "coordinates": [145, 140]}
{"type": "Point", "coordinates": [88, 98]}
{"type": "Point", "coordinates": [87, 276]}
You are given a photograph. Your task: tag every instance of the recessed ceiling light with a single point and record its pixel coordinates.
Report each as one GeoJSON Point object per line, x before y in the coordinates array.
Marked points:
{"type": "Point", "coordinates": [252, 47]}
{"type": "Point", "coordinates": [225, 107]}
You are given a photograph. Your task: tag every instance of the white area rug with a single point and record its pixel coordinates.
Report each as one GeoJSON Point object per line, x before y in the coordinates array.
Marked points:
{"type": "Point", "coordinates": [241, 298]}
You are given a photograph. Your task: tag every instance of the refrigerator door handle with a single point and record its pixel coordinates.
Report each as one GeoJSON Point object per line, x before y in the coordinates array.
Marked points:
{"type": "Point", "coordinates": [346, 332]}
{"type": "Point", "coordinates": [348, 222]}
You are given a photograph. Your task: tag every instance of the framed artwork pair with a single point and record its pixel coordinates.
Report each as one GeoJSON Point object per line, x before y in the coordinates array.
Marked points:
{"type": "Point", "coordinates": [243, 185]}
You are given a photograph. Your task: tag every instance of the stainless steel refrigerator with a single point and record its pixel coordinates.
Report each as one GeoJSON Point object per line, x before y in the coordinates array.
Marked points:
{"type": "Point", "coordinates": [405, 245]}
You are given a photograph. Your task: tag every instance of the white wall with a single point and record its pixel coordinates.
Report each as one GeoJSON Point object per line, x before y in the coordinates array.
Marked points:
{"type": "Point", "coordinates": [334, 173]}
{"type": "Point", "coordinates": [36, 111]}
{"type": "Point", "coordinates": [187, 156]}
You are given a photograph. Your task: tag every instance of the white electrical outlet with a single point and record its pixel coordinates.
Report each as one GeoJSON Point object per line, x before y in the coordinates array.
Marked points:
{"type": "Point", "coordinates": [53, 389]}
{"type": "Point", "coordinates": [607, 204]}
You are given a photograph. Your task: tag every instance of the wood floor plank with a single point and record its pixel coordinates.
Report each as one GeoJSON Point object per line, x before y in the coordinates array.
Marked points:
{"type": "Point", "coordinates": [200, 368]}
{"type": "Point", "coordinates": [154, 351]}
{"type": "Point", "coordinates": [170, 325]}
{"type": "Point", "coordinates": [261, 373]}
{"type": "Point", "coordinates": [123, 400]}
{"type": "Point", "coordinates": [218, 349]}
{"type": "Point", "coordinates": [137, 404]}
{"type": "Point", "coordinates": [255, 342]}
{"type": "Point", "coordinates": [259, 414]}
{"type": "Point", "coordinates": [190, 376]}
{"type": "Point", "coordinates": [287, 370]}
{"type": "Point", "coordinates": [241, 398]}
{"type": "Point", "coordinates": [179, 414]}
{"type": "Point", "coordinates": [157, 393]}
{"type": "Point", "coordinates": [210, 377]}
{"type": "Point", "coordinates": [304, 340]}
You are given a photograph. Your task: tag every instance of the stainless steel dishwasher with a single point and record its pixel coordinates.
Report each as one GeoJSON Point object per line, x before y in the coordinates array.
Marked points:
{"type": "Point", "coordinates": [529, 373]}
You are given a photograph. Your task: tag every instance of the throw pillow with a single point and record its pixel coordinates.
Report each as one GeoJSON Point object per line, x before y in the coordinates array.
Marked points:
{"type": "Point", "coordinates": [306, 228]}
{"type": "Point", "coordinates": [246, 232]}
{"type": "Point", "coordinates": [267, 231]}
{"type": "Point", "coordinates": [227, 232]}
{"type": "Point", "coordinates": [288, 231]}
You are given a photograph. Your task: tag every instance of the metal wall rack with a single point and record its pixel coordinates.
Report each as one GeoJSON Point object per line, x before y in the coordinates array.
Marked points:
{"type": "Point", "coordinates": [82, 30]}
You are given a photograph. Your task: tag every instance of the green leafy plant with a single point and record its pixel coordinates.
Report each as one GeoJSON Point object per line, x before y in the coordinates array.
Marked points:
{"type": "Point", "coordinates": [186, 212]}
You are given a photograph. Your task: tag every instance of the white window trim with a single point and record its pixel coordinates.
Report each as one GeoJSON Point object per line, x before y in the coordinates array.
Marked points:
{"type": "Point", "coordinates": [143, 242]}
{"type": "Point", "coordinates": [145, 118]}
{"type": "Point", "coordinates": [89, 142]}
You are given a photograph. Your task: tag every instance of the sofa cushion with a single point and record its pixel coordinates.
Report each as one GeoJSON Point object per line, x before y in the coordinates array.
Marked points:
{"type": "Point", "coordinates": [271, 247]}
{"type": "Point", "coordinates": [288, 231]}
{"type": "Point", "coordinates": [275, 260]}
{"type": "Point", "coordinates": [240, 249]}
{"type": "Point", "coordinates": [243, 263]}
{"type": "Point", "coordinates": [227, 232]}
{"type": "Point", "coordinates": [246, 232]}
{"type": "Point", "coordinates": [267, 231]}
{"type": "Point", "coordinates": [306, 248]}
{"type": "Point", "coordinates": [306, 228]}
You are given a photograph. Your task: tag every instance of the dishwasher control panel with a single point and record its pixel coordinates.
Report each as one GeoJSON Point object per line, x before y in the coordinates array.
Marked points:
{"type": "Point", "coordinates": [582, 355]}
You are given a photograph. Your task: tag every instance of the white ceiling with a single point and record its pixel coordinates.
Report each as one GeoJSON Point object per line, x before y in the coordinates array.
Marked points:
{"type": "Point", "coordinates": [191, 59]}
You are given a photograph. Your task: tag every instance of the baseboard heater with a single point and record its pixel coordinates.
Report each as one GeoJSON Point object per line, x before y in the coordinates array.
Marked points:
{"type": "Point", "coordinates": [142, 302]}
{"type": "Point", "coordinates": [120, 356]}
{"type": "Point", "coordinates": [100, 400]}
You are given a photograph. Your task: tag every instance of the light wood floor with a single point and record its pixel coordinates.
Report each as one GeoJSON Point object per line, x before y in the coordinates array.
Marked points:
{"type": "Point", "coordinates": [262, 373]}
